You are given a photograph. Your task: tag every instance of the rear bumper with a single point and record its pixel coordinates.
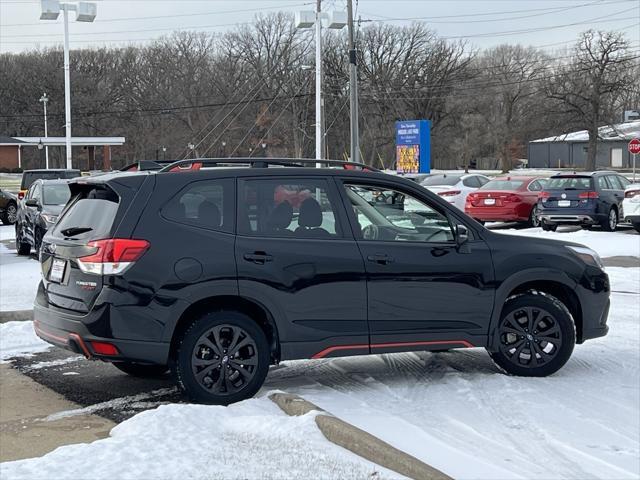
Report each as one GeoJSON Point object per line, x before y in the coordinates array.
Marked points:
{"type": "Point", "coordinates": [497, 214]}
{"type": "Point", "coordinates": [70, 332]}
{"type": "Point", "coordinates": [571, 218]}
{"type": "Point", "coordinates": [594, 293]}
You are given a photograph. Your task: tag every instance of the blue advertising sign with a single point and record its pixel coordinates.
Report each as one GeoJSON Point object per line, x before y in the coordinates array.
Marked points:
{"type": "Point", "coordinates": [413, 146]}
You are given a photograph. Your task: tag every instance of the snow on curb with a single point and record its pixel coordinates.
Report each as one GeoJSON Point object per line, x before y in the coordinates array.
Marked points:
{"type": "Point", "coordinates": [18, 339]}
{"type": "Point", "coordinates": [251, 439]}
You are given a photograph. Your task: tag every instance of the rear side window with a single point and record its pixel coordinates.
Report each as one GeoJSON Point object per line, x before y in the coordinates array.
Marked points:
{"type": "Point", "coordinates": [472, 182]}
{"type": "Point", "coordinates": [572, 183]}
{"type": "Point", "coordinates": [89, 215]}
{"type": "Point", "coordinates": [206, 204]}
{"type": "Point", "coordinates": [615, 182]}
{"type": "Point", "coordinates": [291, 207]}
{"type": "Point", "coordinates": [603, 184]}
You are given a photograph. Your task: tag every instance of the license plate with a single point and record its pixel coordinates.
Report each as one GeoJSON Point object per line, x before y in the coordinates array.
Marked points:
{"type": "Point", "coordinates": [564, 203]}
{"type": "Point", "coordinates": [57, 270]}
{"type": "Point", "coordinates": [489, 201]}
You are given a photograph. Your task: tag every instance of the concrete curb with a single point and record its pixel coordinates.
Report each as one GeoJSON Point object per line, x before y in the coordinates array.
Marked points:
{"type": "Point", "coordinates": [358, 441]}
{"type": "Point", "coordinates": [16, 315]}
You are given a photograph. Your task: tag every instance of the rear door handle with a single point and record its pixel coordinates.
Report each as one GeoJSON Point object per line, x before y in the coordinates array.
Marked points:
{"type": "Point", "coordinates": [380, 258]}
{"type": "Point", "coordinates": [258, 257]}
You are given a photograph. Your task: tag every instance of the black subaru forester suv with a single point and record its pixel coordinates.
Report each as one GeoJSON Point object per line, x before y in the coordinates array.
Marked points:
{"type": "Point", "coordinates": [217, 273]}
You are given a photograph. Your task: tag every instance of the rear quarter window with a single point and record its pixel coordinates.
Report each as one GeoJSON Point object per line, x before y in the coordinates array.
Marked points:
{"type": "Point", "coordinates": [205, 204]}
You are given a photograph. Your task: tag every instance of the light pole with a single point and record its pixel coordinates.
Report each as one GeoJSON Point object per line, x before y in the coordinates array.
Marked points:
{"type": "Point", "coordinates": [192, 147]}
{"type": "Point", "coordinates": [85, 12]}
{"type": "Point", "coordinates": [224, 149]}
{"type": "Point", "coordinates": [44, 99]}
{"type": "Point", "coordinates": [164, 152]}
{"type": "Point", "coordinates": [353, 87]}
{"type": "Point", "coordinates": [335, 20]}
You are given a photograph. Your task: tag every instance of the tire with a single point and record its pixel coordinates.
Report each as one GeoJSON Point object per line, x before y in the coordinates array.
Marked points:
{"type": "Point", "coordinates": [514, 341]}
{"type": "Point", "coordinates": [141, 370]}
{"type": "Point", "coordinates": [637, 227]}
{"type": "Point", "coordinates": [534, 221]}
{"type": "Point", "coordinates": [548, 227]}
{"type": "Point", "coordinates": [23, 248]}
{"type": "Point", "coordinates": [211, 341]}
{"type": "Point", "coordinates": [10, 214]}
{"type": "Point", "coordinates": [38, 241]}
{"type": "Point", "coordinates": [610, 224]}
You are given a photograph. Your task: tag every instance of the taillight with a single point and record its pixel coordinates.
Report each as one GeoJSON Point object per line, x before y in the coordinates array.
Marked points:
{"type": "Point", "coordinates": [512, 197]}
{"type": "Point", "coordinates": [543, 196]}
{"type": "Point", "coordinates": [21, 194]}
{"type": "Point", "coordinates": [589, 195]}
{"type": "Point", "coordinates": [632, 193]}
{"type": "Point", "coordinates": [114, 255]}
{"type": "Point", "coordinates": [472, 197]}
{"type": "Point", "coordinates": [449, 193]}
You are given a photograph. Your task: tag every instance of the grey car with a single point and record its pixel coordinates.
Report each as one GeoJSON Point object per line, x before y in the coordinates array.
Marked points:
{"type": "Point", "coordinates": [38, 211]}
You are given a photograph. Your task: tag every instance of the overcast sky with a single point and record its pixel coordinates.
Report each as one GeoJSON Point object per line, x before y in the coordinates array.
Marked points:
{"type": "Point", "coordinates": [550, 24]}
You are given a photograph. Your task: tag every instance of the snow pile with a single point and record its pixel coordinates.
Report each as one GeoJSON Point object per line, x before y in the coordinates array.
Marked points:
{"type": "Point", "coordinates": [251, 439]}
{"type": "Point", "coordinates": [18, 339]}
{"type": "Point", "coordinates": [607, 244]}
{"type": "Point", "coordinates": [458, 413]}
{"type": "Point", "coordinates": [19, 278]}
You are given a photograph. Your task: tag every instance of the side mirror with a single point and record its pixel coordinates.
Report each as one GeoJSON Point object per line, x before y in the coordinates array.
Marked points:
{"type": "Point", "coordinates": [32, 202]}
{"type": "Point", "coordinates": [462, 237]}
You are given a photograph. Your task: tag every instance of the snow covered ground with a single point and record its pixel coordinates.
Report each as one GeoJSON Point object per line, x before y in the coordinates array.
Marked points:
{"type": "Point", "coordinates": [607, 244]}
{"type": "Point", "coordinates": [252, 439]}
{"type": "Point", "coordinates": [18, 339]}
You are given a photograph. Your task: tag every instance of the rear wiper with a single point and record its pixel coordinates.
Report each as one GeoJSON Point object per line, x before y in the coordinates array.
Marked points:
{"type": "Point", "coordinates": [72, 231]}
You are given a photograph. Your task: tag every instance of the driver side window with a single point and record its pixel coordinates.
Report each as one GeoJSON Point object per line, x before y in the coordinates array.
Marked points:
{"type": "Point", "coordinates": [385, 214]}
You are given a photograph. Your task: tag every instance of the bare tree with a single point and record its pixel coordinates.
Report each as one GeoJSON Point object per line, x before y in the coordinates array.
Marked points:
{"type": "Point", "coordinates": [587, 86]}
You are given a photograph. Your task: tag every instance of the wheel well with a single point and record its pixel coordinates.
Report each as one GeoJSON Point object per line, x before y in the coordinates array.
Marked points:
{"type": "Point", "coordinates": [258, 313]}
{"type": "Point", "coordinates": [562, 293]}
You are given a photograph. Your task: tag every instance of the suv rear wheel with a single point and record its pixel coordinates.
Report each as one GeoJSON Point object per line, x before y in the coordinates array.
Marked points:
{"type": "Point", "coordinates": [23, 248]}
{"type": "Point", "coordinates": [535, 337]}
{"type": "Point", "coordinates": [140, 369]}
{"type": "Point", "coordinates": [611, 222]}
{"type": "Point", "coordinates": [222, 358]}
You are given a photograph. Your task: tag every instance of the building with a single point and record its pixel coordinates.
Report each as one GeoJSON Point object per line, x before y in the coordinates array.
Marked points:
{"type": "Point", "coordinates": [13, 148]}
{"type": "Point", "coordinates": [9, 152]}
{"type": "Point", "coordinates": [570, 150]}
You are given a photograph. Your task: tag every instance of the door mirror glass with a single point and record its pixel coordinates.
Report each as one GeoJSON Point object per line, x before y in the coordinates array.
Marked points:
{"type": "Point", "coordinates": [32, 202]}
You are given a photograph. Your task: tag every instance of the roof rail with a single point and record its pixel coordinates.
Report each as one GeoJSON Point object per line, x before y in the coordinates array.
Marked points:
{"type": "Point", "coordinates": [197, 163]}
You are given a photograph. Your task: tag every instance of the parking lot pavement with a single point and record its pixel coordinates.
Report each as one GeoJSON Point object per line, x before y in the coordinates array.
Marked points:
{"type": "Point", "coordinates": [25, 429]}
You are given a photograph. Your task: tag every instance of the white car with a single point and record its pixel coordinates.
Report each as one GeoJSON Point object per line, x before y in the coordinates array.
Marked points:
{"type": "Point", "coordinates": [631, 205]}
{"type": "Point", "coordinates": [454, 187]}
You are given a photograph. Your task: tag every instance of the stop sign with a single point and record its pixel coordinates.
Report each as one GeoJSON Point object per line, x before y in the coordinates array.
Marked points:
{"type": "Point", "coordinates": [634, 146]}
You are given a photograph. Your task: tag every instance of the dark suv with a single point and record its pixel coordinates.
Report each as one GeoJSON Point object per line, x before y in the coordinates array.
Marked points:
{"type": "Point", "coordinates": [217, 273]}
{"type": "Point", "coordinates": [583, 199]}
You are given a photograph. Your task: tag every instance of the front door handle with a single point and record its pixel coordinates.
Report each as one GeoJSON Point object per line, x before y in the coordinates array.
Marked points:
{"type": "Point", "coordinates": [380, 258]}
{"type": "Point", "coordinates": [258, 257]}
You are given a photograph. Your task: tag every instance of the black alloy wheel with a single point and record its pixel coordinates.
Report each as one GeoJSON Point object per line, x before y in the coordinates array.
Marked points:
{"type": "Point", "coordinates": [535, 336]}
{"type": "Point", "coordinates": [223, 358]}
{"type": "Point", "coordinates": [10, 214]}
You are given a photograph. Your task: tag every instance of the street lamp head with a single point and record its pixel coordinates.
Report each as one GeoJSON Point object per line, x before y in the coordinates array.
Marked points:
{"type": "Point", "coordinates": [44, 98]}
{"type": "Point", "coordinates": [50, 9]}
{"type": "Point", "coordinates": [86, 12]}
{"type": "Point", "coordinates": [305, 19]}
{"type": "Point", "coordinates": [224, 144]}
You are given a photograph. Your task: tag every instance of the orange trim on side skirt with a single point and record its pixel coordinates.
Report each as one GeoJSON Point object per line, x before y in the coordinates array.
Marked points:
{"type": "Point", "coordinates": [329, 350]}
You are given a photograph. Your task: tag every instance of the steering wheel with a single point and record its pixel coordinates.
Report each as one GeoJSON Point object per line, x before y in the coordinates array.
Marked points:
{"type": "Point", "coordinates": [438, 232]}
{"type": "Point", "coordinates": [370, 232]}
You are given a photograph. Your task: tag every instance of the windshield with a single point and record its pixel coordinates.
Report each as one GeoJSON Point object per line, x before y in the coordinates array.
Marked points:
{"type": "Point", "coordinates": [440, 180]}
{"type": "Point", "coordinates": [56, 194]}
{"type": "Point", "coordinates": [502, 185]}
{"type": "Point", "coordinates": [569, 183]}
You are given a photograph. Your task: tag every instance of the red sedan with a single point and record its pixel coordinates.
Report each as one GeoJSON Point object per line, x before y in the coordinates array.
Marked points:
{"type": "Point", "coordinates": [506, 199]}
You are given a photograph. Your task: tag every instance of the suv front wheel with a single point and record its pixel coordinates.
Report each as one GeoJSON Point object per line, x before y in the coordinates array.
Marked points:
{"type": "Point", "coordinates": [222, 358]}
{"type": "Point", "coordinates": [535, 336]}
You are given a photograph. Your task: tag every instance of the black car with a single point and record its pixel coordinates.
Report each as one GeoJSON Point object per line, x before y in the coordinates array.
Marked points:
{"type": "Point", "coordinates": [39, 210]}
{"type": "Point", "coordinates": [30, 176]}
{"type": "Point", "coordinates": [8, 207]}
{"type": "Point", "coordinates": [584, 199]}
{"type": "Point", "coordinates": [217, 273]}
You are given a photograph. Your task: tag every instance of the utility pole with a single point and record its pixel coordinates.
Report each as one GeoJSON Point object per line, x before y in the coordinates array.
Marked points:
{"type": "Point", "coordinates": [44, 99]}
{"type": "Point", "coordinates": [318, 81]}
{"type": "Point", "coordinates": [353, 87]}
